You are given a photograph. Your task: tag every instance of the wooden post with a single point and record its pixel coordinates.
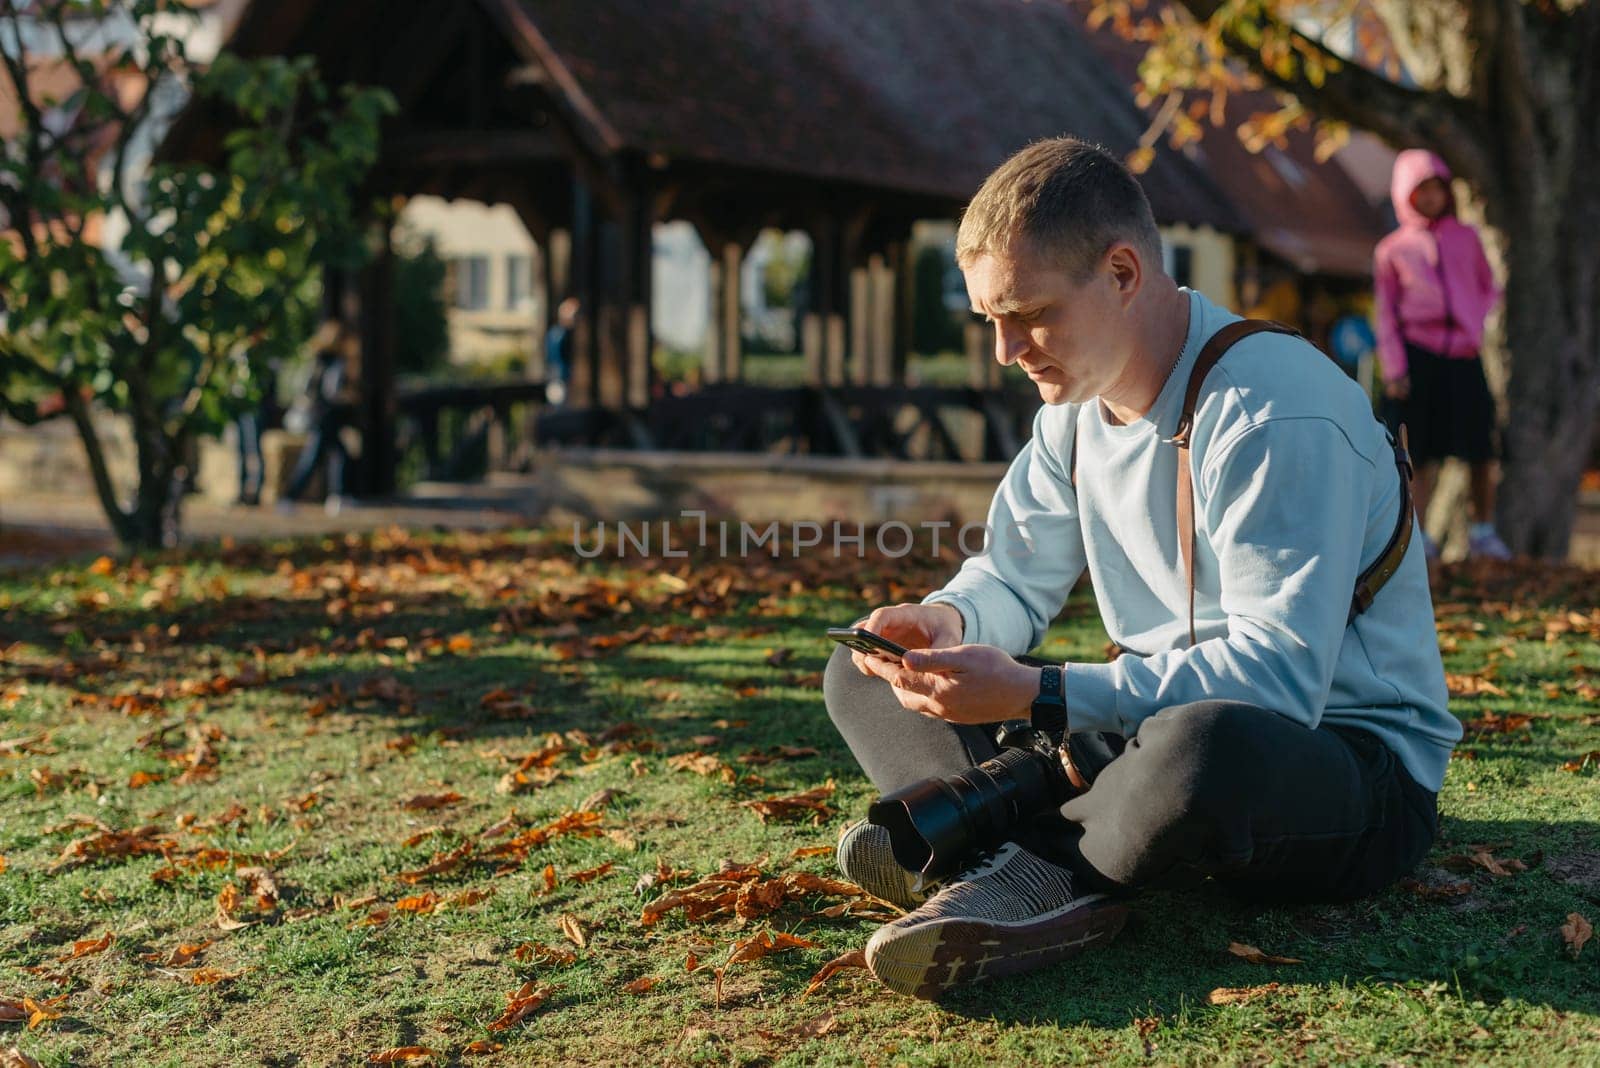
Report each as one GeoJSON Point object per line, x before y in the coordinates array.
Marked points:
{"type": "Point", "coordinates": [582, 384]}
{"type": "Point", "coordinates": [711, 360]}
{"type": "Point", "coordinates": [823, 332]}
{"type": "Point", "coordinates": [861, 334]}
{"type": "Point", "coordinates": [902, 294]}
{"type": "Point", "coordinates": [731, 312]}
{"type": "Point", "coordinates": [636, 231]}
{"type": "Point", "coordinates": [376, 411]}
{"type": "Point", "coordinates": [883, 317]}
{"type": "Point", "coordinates": [983, 371]}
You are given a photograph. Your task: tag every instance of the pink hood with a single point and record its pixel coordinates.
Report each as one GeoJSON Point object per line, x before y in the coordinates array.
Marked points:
{"type": "Point", "coordinates": [1432, 284]}
{"type": "Point", "coordinates": [1411, 168]}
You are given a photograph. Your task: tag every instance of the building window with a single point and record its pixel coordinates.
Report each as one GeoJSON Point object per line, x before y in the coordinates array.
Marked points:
{"type": "Point", "coordinates": [519, 282]}
{"type": "Point", "coordinates": [471, 282]}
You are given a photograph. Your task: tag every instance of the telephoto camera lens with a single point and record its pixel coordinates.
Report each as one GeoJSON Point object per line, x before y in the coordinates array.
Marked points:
{"type": "Point", "coordinates": [936, 824]}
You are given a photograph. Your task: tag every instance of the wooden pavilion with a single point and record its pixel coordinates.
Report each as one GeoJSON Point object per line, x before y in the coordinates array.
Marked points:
{"type": "Point", "coordinates": [596, 119]}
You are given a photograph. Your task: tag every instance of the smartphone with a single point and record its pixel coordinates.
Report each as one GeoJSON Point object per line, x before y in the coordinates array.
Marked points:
{"type": "Point", "coordinates": [864, 641]}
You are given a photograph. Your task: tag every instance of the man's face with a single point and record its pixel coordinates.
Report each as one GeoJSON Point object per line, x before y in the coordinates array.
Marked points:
{"type": "Point", "coordinates": [1067, 336]}
{"type": "Point", "coordinates": [1431, 198]}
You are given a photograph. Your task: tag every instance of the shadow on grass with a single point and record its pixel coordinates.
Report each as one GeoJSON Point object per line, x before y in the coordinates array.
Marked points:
{"type": "Point", "coordinates": [1498, 940]}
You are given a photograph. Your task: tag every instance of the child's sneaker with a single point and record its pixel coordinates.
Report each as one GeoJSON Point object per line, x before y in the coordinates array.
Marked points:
{"type": "Point", "coordinates": [1486, 545]}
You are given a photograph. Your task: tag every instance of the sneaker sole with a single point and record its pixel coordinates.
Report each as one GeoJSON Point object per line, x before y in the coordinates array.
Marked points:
{"type": "Point", "coordinates": [928, 959]}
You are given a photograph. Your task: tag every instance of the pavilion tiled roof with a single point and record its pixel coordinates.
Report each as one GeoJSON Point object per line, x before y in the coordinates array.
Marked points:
{"type": "Point", "coordinates": [925, 96]}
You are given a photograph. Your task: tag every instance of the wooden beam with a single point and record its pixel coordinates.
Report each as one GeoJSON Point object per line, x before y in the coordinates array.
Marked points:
{"type": "Point", "coordinates": [411, 149]}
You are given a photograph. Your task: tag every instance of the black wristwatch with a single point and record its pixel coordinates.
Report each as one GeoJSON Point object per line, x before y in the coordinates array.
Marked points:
{"type": "Point", "coordinates": [1049, 711]}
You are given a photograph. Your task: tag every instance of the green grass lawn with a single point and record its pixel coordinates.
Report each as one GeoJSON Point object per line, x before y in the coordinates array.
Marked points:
{"type": "Point", "coordinates": [218, 750]}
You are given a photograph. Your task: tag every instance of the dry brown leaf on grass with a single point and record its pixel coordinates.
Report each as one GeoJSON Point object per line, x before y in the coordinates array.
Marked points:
{"type": "Point", "coordinates": [812, 851]}
{"type": "Point", "coordinates": [520, 782]}
{"type": "Point", "coordinates": [441, 863]}
{"type": "Point", "coordinates": [640, 985]}
{"type": "Point", "coordinates": [464, 898]}
{"type": "Point", "coordinates": [1482, 856]}
{"type": "Point", "coordinates": [210, 976]}
{"type": "Point", "coordinates": [540, 953]}
{"type": "Point", "coordinates": [260, 882]}
{"type": "Point", "coordinates": [754, 948]}
{"type": "Point", "coordinates": [482, 1046]}
{"type": "Point", "coordinates": [1494, 723]}
{"type": "Point", "coordinates": [1476, 685]}
{"type": "Point", "coordinates": [421, 904]}
{"type": "Point", "coordinates": [1240, 995]}
{"type": "Point", "coordinates": [856, 958]}
{"type": "Point", "coordinates": [400, 1055]}
{"type": "Point", "coordinates": [427, 802]}
{"type": "Point", "coordinates": [1256, 956]}
{"type": "Point", "coordinates": [1589, 759]}
{"type": "Point", "coordinates": [1575, 932]}
{"type": "Point", "coordinates": [12, 1057]}
{"type": "Point", "coordinates": [591, 874]}
{"type": "Point", "coordinates": [182, 956]}
{"type": "Point", "coordinates": [598, 800]}
{"type": "Point", "coordinates": [663, 874]}
{"type": "Point", "coordinates": [812, 803]}
{"type": "Point", "coordinates": [86, 946]}
{"type": "Point", "coordinates": [524, 1000]}
{"type": "Point", "coordinates": [1434, 891]}
{"type": "Point", "coordinates": [423, 835]}
{"type": "Point", "coordinates": [573, 928]}
{"type": "Point", "coordinates": [703, 764]}
{"type": "Point", "coordinates": [741, 890]}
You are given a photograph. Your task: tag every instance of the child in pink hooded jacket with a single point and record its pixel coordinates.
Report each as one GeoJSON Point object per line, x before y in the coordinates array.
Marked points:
{"type": "Point", "coordinates": [1434, 289]}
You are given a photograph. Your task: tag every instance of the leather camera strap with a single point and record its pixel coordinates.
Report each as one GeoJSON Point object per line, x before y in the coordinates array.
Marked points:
{"type": "Point", "coordinates": [1376, 574]}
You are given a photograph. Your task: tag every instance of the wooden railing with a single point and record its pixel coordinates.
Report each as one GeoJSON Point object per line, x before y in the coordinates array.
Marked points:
{"type": "Point", "coordinates": [461, 432]}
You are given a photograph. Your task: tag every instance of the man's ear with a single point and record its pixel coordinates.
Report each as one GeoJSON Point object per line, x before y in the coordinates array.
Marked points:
{"type": "Point", "coordinates": [1126, 269]}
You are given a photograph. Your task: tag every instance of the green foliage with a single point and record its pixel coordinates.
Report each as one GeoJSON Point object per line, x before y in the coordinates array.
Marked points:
{"type": "Point", "coordinates": [783, 271]}
{"type": "Point", "coordinates": [214, 276]}
{"type": "Point", "coordinates": [933, 328]}
{"type": "Point", "coordinates": [421, 321]}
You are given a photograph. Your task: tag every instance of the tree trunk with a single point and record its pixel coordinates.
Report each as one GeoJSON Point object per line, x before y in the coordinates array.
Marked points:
{"type": "Point", "coordinates": [1543, 206]}
{"type": "Point", "coordinates": [1553, 343]}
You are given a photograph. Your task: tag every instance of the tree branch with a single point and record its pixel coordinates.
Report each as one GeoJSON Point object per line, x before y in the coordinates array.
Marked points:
{"type": "Point", "coordinates": [1353, 94]}
{"type": "Point", "coordinates": [92, 448]}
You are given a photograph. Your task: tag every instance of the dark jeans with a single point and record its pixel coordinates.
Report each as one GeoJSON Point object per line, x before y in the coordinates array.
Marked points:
{"type": "Point", "coordinates": [251, 463]}
{"type": "Point", "coordinates": [322, 444]}
{"type": "Point", "coordinates": [1273, 809]}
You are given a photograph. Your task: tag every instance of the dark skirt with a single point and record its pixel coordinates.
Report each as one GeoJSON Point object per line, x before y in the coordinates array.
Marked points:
{"type": "Point", "coordinates": [1449, 412]}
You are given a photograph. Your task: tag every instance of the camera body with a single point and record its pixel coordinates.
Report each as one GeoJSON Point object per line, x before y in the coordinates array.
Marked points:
{"type": "Point", "coordinates": [935, 825]}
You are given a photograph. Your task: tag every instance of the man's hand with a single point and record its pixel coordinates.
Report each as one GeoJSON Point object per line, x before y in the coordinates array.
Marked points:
{"type": "Point", "coordinates": [1398, 389]}
{"type": "Point", "coordinates": [914, 626]}
{"type": "Point", "coordinates": [961, 684]}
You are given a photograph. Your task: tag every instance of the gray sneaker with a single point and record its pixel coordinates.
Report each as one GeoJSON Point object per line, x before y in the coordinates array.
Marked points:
{"type": "Point", "coordinates": [866, 859]}
{"type": "Point", "coordinates": [1012, 912]}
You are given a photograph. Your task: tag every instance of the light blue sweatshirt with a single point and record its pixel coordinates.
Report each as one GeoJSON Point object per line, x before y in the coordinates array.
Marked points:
{"type": "Point", "coordinates": [1296, 492]}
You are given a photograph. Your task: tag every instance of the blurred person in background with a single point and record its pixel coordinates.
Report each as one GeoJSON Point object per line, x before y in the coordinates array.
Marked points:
{"type": "Point", "coordinates": [1434, 289]}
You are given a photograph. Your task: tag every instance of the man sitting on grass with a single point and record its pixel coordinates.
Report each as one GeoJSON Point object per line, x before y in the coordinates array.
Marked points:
{"type": "Point", "coordinates": [1278, 720]}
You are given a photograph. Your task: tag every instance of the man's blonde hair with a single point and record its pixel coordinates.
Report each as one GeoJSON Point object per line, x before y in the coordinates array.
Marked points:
{"type": "Point", "coordinates": [1067, 198]}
